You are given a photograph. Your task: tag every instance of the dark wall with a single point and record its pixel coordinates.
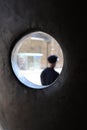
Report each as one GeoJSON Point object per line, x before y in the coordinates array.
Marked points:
{"type": "Point", "coordinates": [61, 106]}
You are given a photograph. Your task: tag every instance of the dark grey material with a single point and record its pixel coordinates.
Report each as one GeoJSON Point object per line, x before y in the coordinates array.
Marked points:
{"type": "Point", "coordinates": [53, 108]}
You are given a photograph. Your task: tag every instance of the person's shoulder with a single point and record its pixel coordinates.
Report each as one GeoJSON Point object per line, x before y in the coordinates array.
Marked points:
{"type": "Point", "coordinates": [44, 70]}
{"type": "Point", "coordinates": [57, 72]}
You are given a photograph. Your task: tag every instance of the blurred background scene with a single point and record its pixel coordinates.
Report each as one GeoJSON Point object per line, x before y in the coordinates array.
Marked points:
{"type": "Point", "coordinates": [33, 52]}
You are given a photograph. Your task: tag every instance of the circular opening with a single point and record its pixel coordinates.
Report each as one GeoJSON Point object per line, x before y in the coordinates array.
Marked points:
{"type": "Point", "coordinates": [29, 59]}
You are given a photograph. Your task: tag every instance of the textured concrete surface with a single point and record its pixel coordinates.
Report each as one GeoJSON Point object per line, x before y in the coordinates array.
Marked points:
{"type": "Point", "coordinates": [61, 106]}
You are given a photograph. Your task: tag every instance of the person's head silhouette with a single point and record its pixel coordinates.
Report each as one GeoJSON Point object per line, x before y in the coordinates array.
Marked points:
{"type": "Point", "coordinates": [52, 59]}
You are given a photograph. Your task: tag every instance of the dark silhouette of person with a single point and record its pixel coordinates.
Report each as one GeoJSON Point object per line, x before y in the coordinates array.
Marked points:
{"type": "Point", "coordinates": [49, 75]}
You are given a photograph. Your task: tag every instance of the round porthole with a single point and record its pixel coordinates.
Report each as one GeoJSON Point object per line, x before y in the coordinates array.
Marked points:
{"type": "Point", "coordinates": [34, 54]}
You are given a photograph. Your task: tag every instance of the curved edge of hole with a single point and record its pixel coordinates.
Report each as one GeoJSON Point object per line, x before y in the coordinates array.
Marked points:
{"type": "Point", "coordinates": [16, 69]}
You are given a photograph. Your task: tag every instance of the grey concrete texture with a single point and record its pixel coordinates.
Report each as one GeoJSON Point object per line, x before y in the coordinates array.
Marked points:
{"type": "Point", "coordinates": [62, 105]}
